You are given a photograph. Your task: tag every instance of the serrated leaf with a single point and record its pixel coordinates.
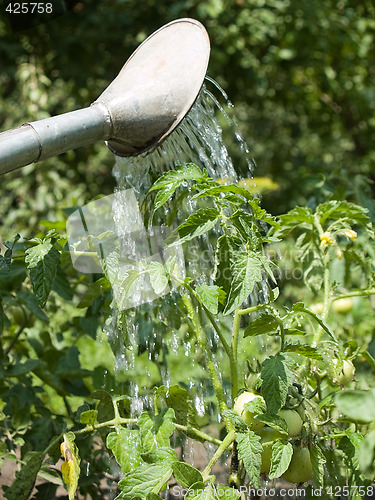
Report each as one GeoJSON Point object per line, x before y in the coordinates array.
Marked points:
{"type": "Point", "coordinates": [185, 474]}
{"type": "Point", "coordinates": [156, 430]}
{"type": "Point", "coordinates": [317, 461]}
{"type": "Point", "coordinates": [246, 271]}
{"type": "Point", "coordinates": [144, 480]}
{"type": "Point", "coordinates": [357, 405]}
{"type": "Point", "coordinates": [299, 307]}
{"type": "Point", "coordinates": [158, 277]}
{"type": "Point", "coordinates": [42, 261]}
{"type": "Point", "coordinates": [250, 452]}
{"type": "Point", "coordinates": [234, 417]}
{"type": "Point", "coordinates": [274, 421]}
{"type": "Point", "coordinates": [276, 378]}
{"type": "Point", "coordinates": [25, 478]}
{"type": "Point", "coordinates": [160, 456]}
{"type": "Point", "coordinates": [209, 295]}
{"type": "Point", "coordinates": [179, 399]}
{"type": "Point", "coordinates": [264, 324]}
{"type": "Point", "coordinates": [190, 171]}
{"type": "Point", "coordinates": [197, 224]}
{"type": "Point", "coordinates": [282, 453]}
{"type": "Point", "coordinates": [218, 190]}
{"type": "Point", "coordinates": [170, 181]}
{"type": "Point", "coordinates": [125, 444]}
{"type": "Point", "coordinates": [304, 350]}
{"type": "Point", "coordinates": [70, 469]}
{"type": "Point", "coordinates": [341, 209]}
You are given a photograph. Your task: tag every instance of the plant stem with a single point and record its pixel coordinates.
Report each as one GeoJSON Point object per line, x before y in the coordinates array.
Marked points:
{"type": "Point", "coordinates": [210, 317]}
{"type": "Point", "coordinates": [201, 336]}
{"type": "Point", "coordinates": [357, 293]}
{"type": "Point", "coordinates": [326, 304]}
{"type": "Point", "coordinates": [251, 309]}
{"type": "Point", "coordinates": [227, 441]}
{"type": "Point", "coordinates": [191, 431]}
{"type": "Point", "coordinates": [234, 354]}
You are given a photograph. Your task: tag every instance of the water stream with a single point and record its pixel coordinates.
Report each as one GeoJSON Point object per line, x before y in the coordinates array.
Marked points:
{"type": "Point", "coordinates": [157, 341]}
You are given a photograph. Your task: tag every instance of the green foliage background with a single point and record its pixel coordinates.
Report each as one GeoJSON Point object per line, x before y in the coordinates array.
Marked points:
{"type": "Point", "coordinates": [300, 75]}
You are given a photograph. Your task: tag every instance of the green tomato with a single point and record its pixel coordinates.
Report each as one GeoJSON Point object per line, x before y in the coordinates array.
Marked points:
{"type": "Point", "coordinates": [293, 421]}
{"type": "Point", "coordinates": [317, 308]}
{"type": "Point", "coordinates": [267, 437]}
{"type": "Point", "coordinates": [248, 416]}
{"type": "Point", "coordinates": [300, 468]}
{"type": "Point", "coordinates": [341, 372]}
{"type": "Point", "coordinates": [342, 306]}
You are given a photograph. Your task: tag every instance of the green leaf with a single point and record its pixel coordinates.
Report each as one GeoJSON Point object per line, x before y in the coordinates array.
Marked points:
{"type": "Point", "coordinates": [274, 421]}
{"type": "Point", "coordinates": [341, 209]}
{"type": "Point", "coordinates": [88, 417]}
{"type": "Point", "coordinates": [357, 405]}
{"type": "Point", "coordinates": [223, 258]}
{"type": "Point", "coordinates": [160, 456]}
{"type": "Point", "coordinates": [234, 417]}
{"type": "Point", "coordinates": [190, 171]}
{"type": "Point", "coordinates": [42, 261]}
{"type": "Point", "coordinates": [197, 224]}
{"type": "Point", "coordinates": [264, 324]}
{"type": "Point", "coordinates": [96, 290]}
{"type": "Point", "coordinates": [169, 182]}
{"type": "Point", "coordinates": [179, 399]}
{"type": "Point", "coordinates": [227, 493]}
{"type": "Point", "coordinates": [299, 307]}
{"type": "Point", "coordinates": [158, 277]}
{"type": "Point", "coordinates": [246, 271]}
{"type": "Point", "coordinates": [250, 452]}
{"type": "Point", "coordinates": [31, 302]}
{"type": "Point", "coordinates": [317, 461]}
{"type": "Point", "coordinates": [298, 217]}
{"type": "Point", "coordinates": [144, 480]}
{"type": "Point", "coordinates": [156, 430]}
{"type": "Point", "coordinates": [218, 190]}
{"type": "Point", "coordinates": [185, 474]}
{"type": "Point", "coordinates": [125, 444]}
{"type": "Point", "coordinates": [1, 316]}
{"type": "Point", "coordinates": [209, 295]}
{"type": "Point", "coordinates": [367, 453]}
{"type": "Point", "coordinates": [61, 285]}
{"type": "Point", "coordinates": [282, 453]}
{"type": "Point", "coordinates": [303, 349]}
{"type": "Point", "coordinates": [25, 478]}
{"type": "Point", "coordinates": [276, 378]}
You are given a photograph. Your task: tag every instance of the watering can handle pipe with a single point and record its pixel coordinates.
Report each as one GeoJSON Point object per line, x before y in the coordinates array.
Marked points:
{"type": "Point", "coordinates": [145, 102]}
{"type": "Point", "coordinates": [37, 141]}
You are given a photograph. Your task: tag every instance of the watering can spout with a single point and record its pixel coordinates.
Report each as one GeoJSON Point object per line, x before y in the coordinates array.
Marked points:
{"type": "Point", "coordinates": [146, 101]}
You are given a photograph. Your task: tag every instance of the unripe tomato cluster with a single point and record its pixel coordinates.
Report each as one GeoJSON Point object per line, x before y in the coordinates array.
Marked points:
{"type": "Point", "coordinates": [300, 468]}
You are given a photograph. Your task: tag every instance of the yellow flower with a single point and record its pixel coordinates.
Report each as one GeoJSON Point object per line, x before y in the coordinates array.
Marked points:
{"type": "Point", "coordinates": [352, 235]}
{"type": "Point", "coordinates": [326, 239]}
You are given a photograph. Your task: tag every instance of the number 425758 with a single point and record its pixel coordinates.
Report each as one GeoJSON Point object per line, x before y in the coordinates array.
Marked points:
{"type": "Point", "coordinates": [29, 8]}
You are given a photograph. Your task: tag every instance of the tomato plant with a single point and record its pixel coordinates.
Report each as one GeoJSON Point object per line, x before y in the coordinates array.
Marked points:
{"type": "Point", "coordinates": [275, 409]}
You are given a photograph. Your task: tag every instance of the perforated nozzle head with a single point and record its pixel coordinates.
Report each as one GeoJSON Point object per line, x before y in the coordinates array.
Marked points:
{"type": "Point", "coordinates": [156, 87]}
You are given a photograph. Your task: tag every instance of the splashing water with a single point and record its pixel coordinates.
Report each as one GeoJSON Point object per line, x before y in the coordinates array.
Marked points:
{"type": "Point", "coordinates": [198, 139]}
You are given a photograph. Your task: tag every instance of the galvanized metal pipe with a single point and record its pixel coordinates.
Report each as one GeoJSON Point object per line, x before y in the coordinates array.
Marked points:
{"type": "Point", "coordinates": [36, 141]}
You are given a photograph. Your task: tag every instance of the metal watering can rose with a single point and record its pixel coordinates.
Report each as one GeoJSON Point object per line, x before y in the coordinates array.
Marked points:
{"type": "Point", "coordinates": [145, 102]}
